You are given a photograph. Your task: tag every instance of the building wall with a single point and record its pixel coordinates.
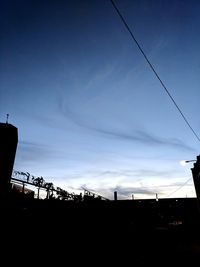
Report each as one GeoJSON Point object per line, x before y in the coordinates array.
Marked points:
{"type": "Point", "coordinates": [8, 147]}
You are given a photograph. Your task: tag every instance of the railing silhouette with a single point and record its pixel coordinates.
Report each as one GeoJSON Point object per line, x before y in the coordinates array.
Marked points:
{"type": "Point", "coordinates": [25, 178]}
{"type": "Point", "coordinates": [90, 194]}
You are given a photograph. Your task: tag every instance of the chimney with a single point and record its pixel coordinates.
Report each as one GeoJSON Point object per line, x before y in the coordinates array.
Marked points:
{"type": "Point", "coordinates": [115, 195]}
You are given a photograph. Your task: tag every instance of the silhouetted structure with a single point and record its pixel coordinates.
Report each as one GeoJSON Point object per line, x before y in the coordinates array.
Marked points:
{"type": "Point", "coordinates": [8, 146]}
{"type": "Point", "coordinates": [115, 195]}
{"type": "Point", "coordinates": [196, 176]}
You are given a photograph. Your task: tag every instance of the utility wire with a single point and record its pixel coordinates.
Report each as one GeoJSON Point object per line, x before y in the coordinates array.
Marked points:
{"type": "Point", "coordinates": [179, 187]}
{"type": "Point", "coordinates": [152, 68]}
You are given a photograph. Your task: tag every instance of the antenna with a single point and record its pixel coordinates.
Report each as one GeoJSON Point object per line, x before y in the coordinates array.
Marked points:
{"type": "Point", "coordinates": [7, 116]}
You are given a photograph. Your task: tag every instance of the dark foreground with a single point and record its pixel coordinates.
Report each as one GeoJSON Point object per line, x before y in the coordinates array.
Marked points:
{"type": "Point", "coordinates": [164, 233]}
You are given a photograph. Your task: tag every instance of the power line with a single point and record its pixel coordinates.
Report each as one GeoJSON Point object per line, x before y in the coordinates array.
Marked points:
{"type": "Point", "coordinates": [153, 69]}
{"type": "Point", "coordinates": [179, 187]}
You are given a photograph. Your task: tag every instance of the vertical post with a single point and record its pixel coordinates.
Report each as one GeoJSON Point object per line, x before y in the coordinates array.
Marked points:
{"type": "Point", "coordinates": [115, 195]}
{"type": "Point", "coordinates": [23, 185]}
{"type": "Point", "coordinates": [38, 195]}
{"type": "Point", "coordinates": [7, 116]}
{"type": "Point", "coordinates": [156, 197]}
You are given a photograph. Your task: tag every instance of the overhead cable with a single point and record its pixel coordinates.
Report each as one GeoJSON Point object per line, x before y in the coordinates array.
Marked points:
{"type": "Point", "coordinates": [153, 69]}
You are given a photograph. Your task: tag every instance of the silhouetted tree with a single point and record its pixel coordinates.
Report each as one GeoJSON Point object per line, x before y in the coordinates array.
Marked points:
{"type": "Point", "coordinates": [49, 187]}
{"type": "Point", "coordinates": [39, 182]}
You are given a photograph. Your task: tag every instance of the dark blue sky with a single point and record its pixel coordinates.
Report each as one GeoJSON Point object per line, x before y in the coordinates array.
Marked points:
{"type": "Point", "coordinates": [89, 110]}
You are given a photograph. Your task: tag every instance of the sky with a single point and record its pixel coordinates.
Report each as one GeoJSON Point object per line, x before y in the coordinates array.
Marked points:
{"type": "Point", "coordinates": [89, 110]}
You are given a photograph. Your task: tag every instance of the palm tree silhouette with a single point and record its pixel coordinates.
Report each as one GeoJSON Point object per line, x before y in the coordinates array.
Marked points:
{"type": "Point", "coordinates": [49, 187]}
{"type": "Point", "coordinates": [39, 182]}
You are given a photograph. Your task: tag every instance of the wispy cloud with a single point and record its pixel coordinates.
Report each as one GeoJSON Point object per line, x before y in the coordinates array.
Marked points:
{"type": "Point", "coordinates": [125, 191]}
{"type": "Point", "coordinates": [137, 173]}
{"type": "Point", "coordinates": [34, 152]}
{"type": "Point", "coordinates": [138, 135]}
{"type": "Point", "coordinates": [147, 138]}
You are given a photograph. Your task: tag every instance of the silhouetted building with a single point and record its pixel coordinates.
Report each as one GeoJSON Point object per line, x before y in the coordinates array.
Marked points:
{"type": "Point", "coordinates": [8, 146]}
{"type": "Point", "coordinates": [196, 176]}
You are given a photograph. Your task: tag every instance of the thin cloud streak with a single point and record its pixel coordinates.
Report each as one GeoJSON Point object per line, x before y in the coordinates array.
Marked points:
{"type": "Point", "coordinates": [125, 191]}
{"type": "Point", "coordinates": [35, 152]}
{"type": "Point", "coordinates": [139, 136]}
